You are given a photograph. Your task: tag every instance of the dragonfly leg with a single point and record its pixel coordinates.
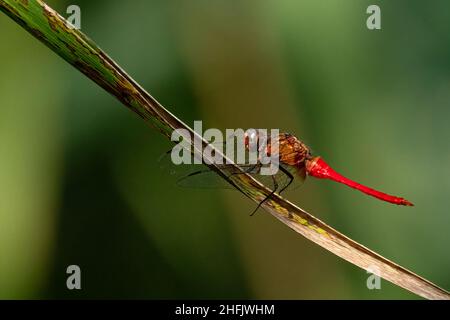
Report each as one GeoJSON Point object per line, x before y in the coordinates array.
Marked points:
{"type": "Point", "coordinates": [289, 175]}
{"type": "Point", "coordinates": [275, 187]}
{"type": "Point", "coordinates": [248, 170]}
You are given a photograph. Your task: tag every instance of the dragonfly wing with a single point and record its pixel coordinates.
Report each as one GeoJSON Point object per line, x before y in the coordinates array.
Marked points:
{"type": "Point", "coordinates": [299, 175]}
{"type": "Point", "coordinates": [191, 175]}
{"type": "Point", "coordinates": [287, 178]}
{"type": "Point", "coordinates": [204, 178]}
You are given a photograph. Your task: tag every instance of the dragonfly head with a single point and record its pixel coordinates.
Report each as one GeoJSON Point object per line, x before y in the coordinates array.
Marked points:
{"type": "Point", "coordinates": [250, 138]}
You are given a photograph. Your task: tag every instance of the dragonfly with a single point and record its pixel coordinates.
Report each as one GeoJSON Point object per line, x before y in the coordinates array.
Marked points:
{"type": "Point", "coordinates": [296, 162]}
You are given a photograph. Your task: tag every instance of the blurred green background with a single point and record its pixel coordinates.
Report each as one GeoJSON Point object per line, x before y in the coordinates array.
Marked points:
{"type": "Point", "coordinates": [79, 177]}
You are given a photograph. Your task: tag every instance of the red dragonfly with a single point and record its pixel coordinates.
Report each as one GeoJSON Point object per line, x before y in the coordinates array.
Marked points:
{"type": "Point", "coordinates": [295, 163]}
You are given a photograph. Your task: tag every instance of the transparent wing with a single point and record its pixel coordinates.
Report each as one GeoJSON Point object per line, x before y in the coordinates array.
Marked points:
{"type": "Point", "coordinates": [299, 175]}
{"type": "Point", "coordinates": [191, 175]}
{"type": "Point", "coordinates": [204, 178]}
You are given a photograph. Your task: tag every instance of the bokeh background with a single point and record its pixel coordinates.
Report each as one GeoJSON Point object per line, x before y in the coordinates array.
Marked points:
{"type": "Point", "coordinates": [79, 176]}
